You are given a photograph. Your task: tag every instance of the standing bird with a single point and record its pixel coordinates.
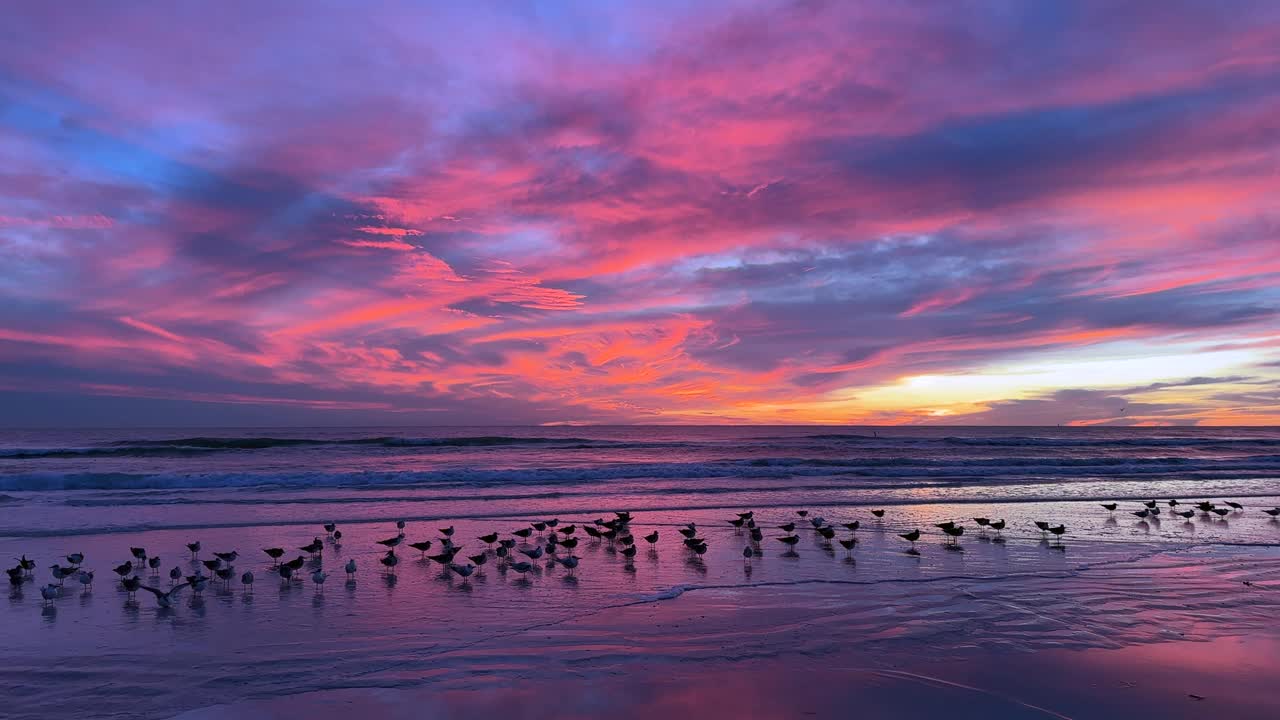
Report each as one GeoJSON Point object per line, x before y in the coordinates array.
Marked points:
{"type": "Point", "coordinates": [954, 532]}
{"type": "Point", "coordinates": [802, 513]}
{"type": "Point", "coordinates": [286, 573]}
{"type": "Point", "coordinates": [75, 558]}
{"type": "Point", "coordinates": [49, 593]}
{"type": "Point", "coordinates": [1185, 514]}
{"type": "Point", "coordinates": [1058, 531]}
{"type": "Point", "coordinates": [247, 581]}
{"type": "Point", "coordinates": [318, 577]}
{"type": "Point", "coordinates": [630, 551]}
{"type": "Point", "coordinates": [1149, 503]}
{"type": "Point", "coordinates": [997, 525]}
{"type": "Point", "coordinates": [756, 534]}
{"type": "Point", "coordinates": [787, 527]}
{"type": "Point", "coordinates": [651, 538]}
{"type": "Point", "coordinates": [28, 566]}
{"type": "Point", "coordinates": [389, 561]}
{"type": "Point", "coordinates": [421, 547]}
{"type": "Point", "coordinates": [747, 554]}
{"type": "Point", "coordinates": [848, 544]}
{"type": "Point", "coordinates": [878, 513]}
{"type": "Point", "coordinates": [391, 542]}
{"type": "Point", "coordinates": [533, 554]}
{"type": "Point", "coordinates": [139, 554]}
{"type": "Point", "coordinates": [1273, 512]}
{"type": "Point", "coordinates": [569, 563]}
{"type": "Point", "coordinates": [314, 548]}
{"type": "Point", "coordinates": [567, 529]}
{"type": "Point", "coordinates": [463, 570]}
{"type": "Point", "coordinates": [194, 547]}
{"type": "Point", "coordinates": [911, 537]}
{"type": "Point", "coordinates": [1235, 506]}
{"type": "Point", "coordinates": [227, 557]}
{"type": "Point", "coordinates": [982, 522]}
{"type": "Point", "coordinates": [522, 533]}
{"type": "Point", "coordinates": [351, 569]}
{"type": "Point", "coordinates": [489, 539]}
{"type": "Point", "coordinates": [447, 532]}
{"type": "Point", "coordinates": [478, 560]}
{"type": "Point", "coordinates": [86, 579]}
{"type": "Point", "coordinates": [521, 567]}
{"type": "Point", "coordinates": [124, 570]}
{"type": "Point", "coordinates": [1142, 513]}
{"type": "Point", "coordinates": [569, 543]}
{"type": "Point", "coordinates": [175, 575]}
{"type": "Point", "coordinates": [1110, 507]}
{"type": "Point", "coordinates": [789, 540]}
{"type": "Point", "coordinates": [154, 564]}
{"type": "Point", "coordinates": [131, 585]}
{"type": "Point", "coordinates": [852, 526]}
{"type": "Point", "coordinates": [275, 554]}
{"type": "Point", "coordinates": [337, 537]}
{"type": "Point", "coordinates": [330, 527]}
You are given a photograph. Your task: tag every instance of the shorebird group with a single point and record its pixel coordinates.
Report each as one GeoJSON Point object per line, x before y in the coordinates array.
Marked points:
{"type": "Point", "coordinates": [520, 549]}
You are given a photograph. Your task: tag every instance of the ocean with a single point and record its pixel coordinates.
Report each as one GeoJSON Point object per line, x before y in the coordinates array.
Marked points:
{"type": "Point", "coordinates": [1114, 582]}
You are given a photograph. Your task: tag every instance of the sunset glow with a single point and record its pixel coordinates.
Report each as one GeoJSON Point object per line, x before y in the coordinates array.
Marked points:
{"type": "Point", "coordinates": [764, 212]}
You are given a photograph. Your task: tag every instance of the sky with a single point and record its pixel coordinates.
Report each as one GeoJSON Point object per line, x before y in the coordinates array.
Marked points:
{"type": "Point", "coordinates": [382, 213]}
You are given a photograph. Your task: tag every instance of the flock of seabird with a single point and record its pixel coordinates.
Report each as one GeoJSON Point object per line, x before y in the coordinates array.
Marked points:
{"type": "Point", "coordinates": [526, 545]}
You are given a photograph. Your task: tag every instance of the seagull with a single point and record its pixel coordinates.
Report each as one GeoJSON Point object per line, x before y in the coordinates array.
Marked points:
{"type": "Point", "coordinates": [911, 537]}
{"type": "Point", "coordinates": [539, 526]}
{"type": "Point", "coordinates": [225, 574]}
{"type": "Point", "coordinates": [955, 531]}
{"type": "Point", "coordinates": [164, 599]}
{"type": "Point", "coordinates": [756, 534]}
{"type": "Point", "coordinates": [1150, 503]}
{"type": "Point", "coordinates": [123, 569]}
{"type": "Point", "coordinates": [131, 585]}
{"type": "Point", "coordinates": [1110, 507]}
{"type": "Point", "coordinates": [747, 515]}
{"type": "Point", "coordinates": [337, 537]}
{"type": "Point", "coordinates": [554, 522]}
{"type": "Point", "coordinates": [16, 576]}
{"type": "Point", "coordinates": [351, 569]}
{"type": "Point", "coordinates": [318, 577]}
{"type": "Point", "coordinates": [296, 563]}
{"type": "Point", "coordinates": [194, 547]}
{"type": "Point", "coordinates": [314, 548]}
{"type": "Point", "coordinates": [738, 522]}
{"type": "Point", "coordinates": [139, 554]}
{"type": "Point", "coordinates": [567, 529]}
{"type": "Point", "coordinates": [522, 533]}
{"type": "Point", "coordinates": [49, 593]}
{"type": "Point", "coordinates": [330, 527]}
{"type": "Point", "coordinates": [1044, 526]}
{"type": "Point", "coordinates": [230, 557]}
{"type": "Point", "coordinates": [945, 525]}
{"type": "Point", "coordinates": [489, 539]}
{"type": "Point", "coordinates": [86, 579]}
{"type": "Point", "coordinates": [464, 570]}
{"type": "Point", "coordinates": [1235, 506]}
{"type": "Point", "coordinates": [1205, 507]}
{"type": "Point", "coordinates": [28, 566]}
{"type": "Point", "coordinates": [1173, 503]}
{"type": "Point", "coordinates": [247, 581]}
{"type": "Point", "coordinates": [852, 526]}
{"type": "Point", "coordinates": [1187, 514]}
{"type": "Point", "coordinates": [651, 538]}
{"type": "Point", "coordinates": [569, 563]}
{"type": "Point", "coordinates": [787, 527]}
{"type": "Point", "coordinates": [1273, 512]}
{"type": "Point", "coordinates": [826, 532]}
{"type": "Point", "coordinates": [446, 556]}
{"type": "Point", "coordinates": [1058, 531]}
{"type": "Point", "coordinates": [75, 558]}
{"type": "Point", "coordinates": [421, 547]}
{"type": "Point", "coordinates": [1142, 513]}
{"type": "Point", "coordinates": [521, 567]}
{"type": "Point", "coordinates": [817, 521]}
{"type": "Point", "coordinates": [570, 543]}
{"type": "Point", "coordinates": [747, 553]}
{"type": "Point", "coordinates": [848, 544]}
{"type": "Point", "coordinates": [592, 532]}
{"type": "Point", "coordinates": [630, 550]}
{"type": "Point", "coordinates": [982, 522]}
{"type": "Point", "coordinates": [211, 565]}
{"type": "Point", "coordinates": [878, 513]}
{"type": "Point", "coordinates": [60, 573]}
{"type": "Point", "coordinates": [175, 575]}
{"type": "Point", "coordinates": [789, 540]}
{"type": "Point", "coordinates": [154, 564]}
{"type": "Point", "coordinates": [802, 513]}
{"type": "Point", "coordinates": [1221, 512]}
{"type": "Point", "coordinates": [997, 525]}
{"type": "Point", "coordinates": [389, 561]}
{"type": "Point", "coordinates": [286, 573]}
{"type": "Point", "coordinates": [391, 542]}
{"type": "Point", "coordinates": [478, 560]}
{"type": "Point", "coordinates": [275, 554]}
{"type": "Point", "coordinates": [533, 554]}
{"type": "Point", "coordinates": [447, 532]}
